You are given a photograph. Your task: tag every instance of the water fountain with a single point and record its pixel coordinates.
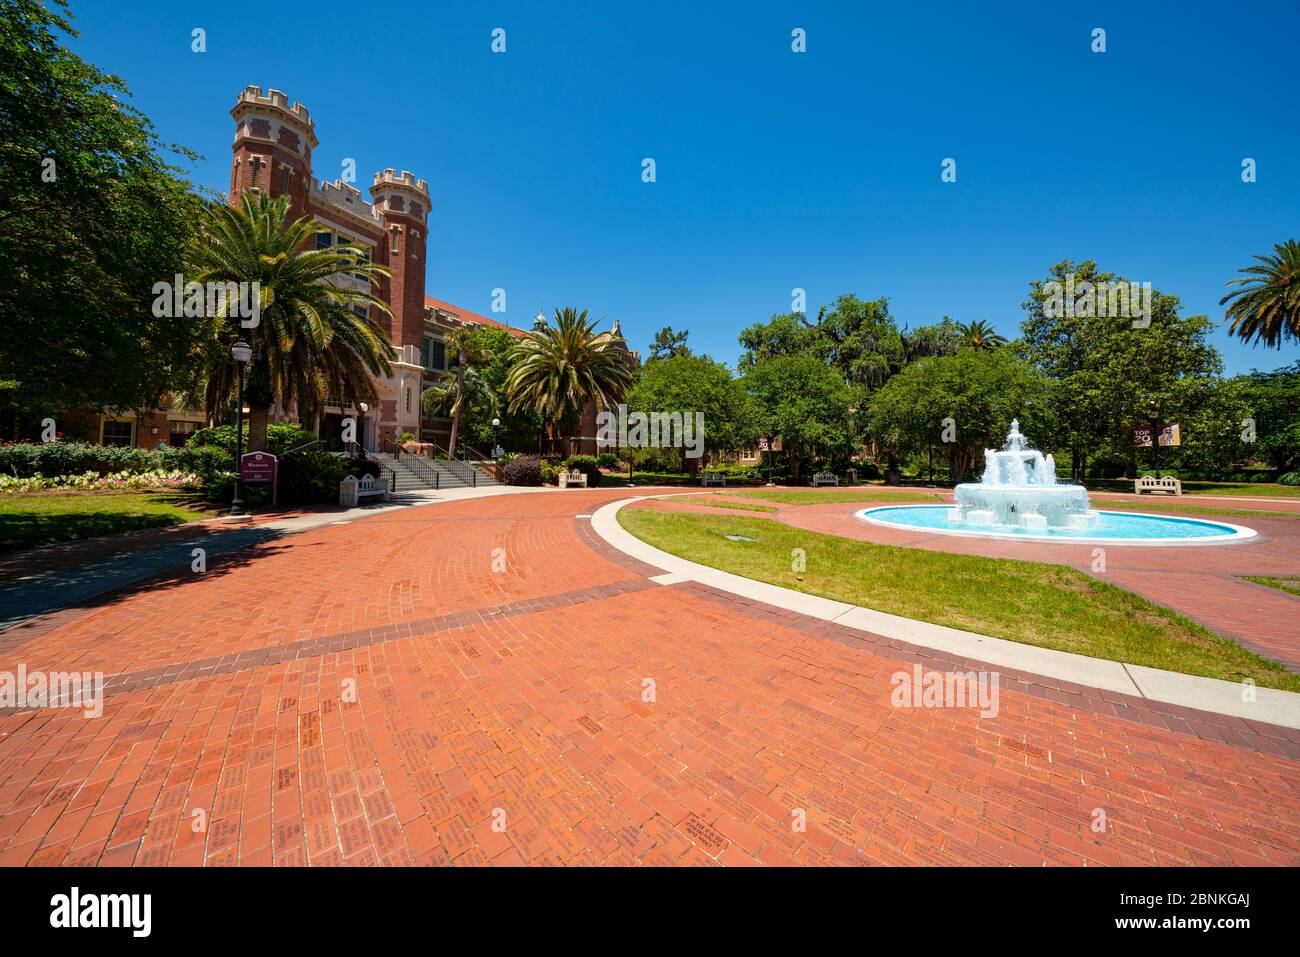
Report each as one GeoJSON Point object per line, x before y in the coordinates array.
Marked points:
{"type": "Point", "coordinates": [1018, 497]}
{"type": "Point", "coordinates": [1019, 489]}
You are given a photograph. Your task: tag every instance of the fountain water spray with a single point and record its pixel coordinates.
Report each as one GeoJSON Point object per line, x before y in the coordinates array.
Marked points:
{"type": "Point", "coordinates": [1019, 489]}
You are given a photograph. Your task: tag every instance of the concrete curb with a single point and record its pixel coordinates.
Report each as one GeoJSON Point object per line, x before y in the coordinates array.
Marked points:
{"type": "Point", "coordinates": [1205, 694]}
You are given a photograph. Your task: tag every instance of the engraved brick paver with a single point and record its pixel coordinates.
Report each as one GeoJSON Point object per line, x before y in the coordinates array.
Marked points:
{"type": "Point", "coordinates": [376, 693]}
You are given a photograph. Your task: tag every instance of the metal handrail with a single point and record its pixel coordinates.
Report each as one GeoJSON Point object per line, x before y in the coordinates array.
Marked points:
{"type": "Point", "coordinates": [421, 465]}
{"type": "Point", "coordinates": [462, 470]}
{"type": "Point", "coordinates": [298, 448]}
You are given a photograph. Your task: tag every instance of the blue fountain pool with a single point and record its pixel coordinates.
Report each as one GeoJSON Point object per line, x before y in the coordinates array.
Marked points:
{"type": "Point", "coordinates": [1126, 528]}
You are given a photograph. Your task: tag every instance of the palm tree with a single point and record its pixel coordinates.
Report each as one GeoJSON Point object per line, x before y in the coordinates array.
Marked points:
{"type": "Point", "coordinates": [980, 335]}
{"type": "Point", "coordinates": [310, 341]}
{"type": "Point", "coordinates": [558, 369]}
{"type": "Point", "coordinates": [445, 398]}
{"type": "Point", "coordinates": [1268, 310]}
{"type": "Point", "coordinates": [452, 396]}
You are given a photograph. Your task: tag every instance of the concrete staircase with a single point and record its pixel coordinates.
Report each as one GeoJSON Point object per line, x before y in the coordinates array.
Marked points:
{"type": "Point", "coordinates": [410, 473]}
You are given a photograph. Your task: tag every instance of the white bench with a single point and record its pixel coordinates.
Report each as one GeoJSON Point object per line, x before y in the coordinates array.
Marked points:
{"type": "Point", "coordinates": [825, 478]}
{"type": "Point", "coordinates": [1166, 483]}
{"type": "Point", "coordinates": [713, 478]}
{"type": "Point", "coordinates": [573, 479]}
{"type": "Point", "coordinates": [351, 492]}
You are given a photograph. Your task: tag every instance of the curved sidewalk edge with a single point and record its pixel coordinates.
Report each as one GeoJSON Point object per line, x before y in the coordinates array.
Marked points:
{"type": "Point", "coordinates": [1270, 706]}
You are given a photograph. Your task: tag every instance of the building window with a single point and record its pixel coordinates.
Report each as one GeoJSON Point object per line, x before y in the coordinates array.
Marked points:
{"type": "Point", "coordinates": [286, 177]}
{"type": "Point", "coordinates": [363, 257]}
{"type": "Point", "coordinates": [396, 231]}
{"type": "Point", "coordinates": [181, 431]}
{"type": "Point", "coordinates": [361, 311]}
{"type": "Point", "coordinates": [118, 432]}
{"type": "Point", "coordinates": [435, 355]}
{"type": "Point", "coordinates": [408, 400]}
{"type": "Point", "coordinates": [323, 239]}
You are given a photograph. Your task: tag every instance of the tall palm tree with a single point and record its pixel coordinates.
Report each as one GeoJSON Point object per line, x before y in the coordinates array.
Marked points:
{"type": "Point", "coordinates": [1268, 309]}
{"type": "Point", "coordinates": [980, 335]}
{"type": "Point", "coordinates": [309, 342]}
{"type": "Point", "coordinates": [452, 396]}
{"type": "Point", "coordinates": [448, 397]}
{"type": "Point", "coordinates": [557, 369]}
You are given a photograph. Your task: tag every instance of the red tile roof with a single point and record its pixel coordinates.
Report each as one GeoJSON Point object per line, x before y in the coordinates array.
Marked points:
{"type": "Point", "coordinates": [465, 315]}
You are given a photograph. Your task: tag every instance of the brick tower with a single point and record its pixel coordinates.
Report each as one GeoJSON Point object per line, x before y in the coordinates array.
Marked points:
{"type": "Point", "coordinates": [272, 148]}
{"type": "Point", "coordinates": [403, 201]}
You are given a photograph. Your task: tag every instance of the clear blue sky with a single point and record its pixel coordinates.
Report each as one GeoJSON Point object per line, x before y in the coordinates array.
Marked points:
{"type": "Point", "coordinates": [775, 169]}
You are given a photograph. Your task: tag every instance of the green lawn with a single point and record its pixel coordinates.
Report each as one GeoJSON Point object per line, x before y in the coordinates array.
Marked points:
{"type": "Point", "coordinates": [1249, 489]}
{"type": "Point", "coordinates": [1291, 585]}
{"type": "Point", "coordinates": [39, 518]}
{"type": "Point", "coordinates": [1176, 508]}
{"type": "Point", "coordinates": [1047, 605]}
{"type": "Point", "coordinates": [714, 502]}
{"type": "Point", "coordinates": [798, 496]}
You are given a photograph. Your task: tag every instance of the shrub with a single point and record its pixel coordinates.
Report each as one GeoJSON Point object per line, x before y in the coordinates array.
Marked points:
{"type": "Point", "coordinates": [550, 474]}
{"type": "Point", "coordinates": [1289, 478]}
{"type": "Point", "coordinates": [28, 459]}
{"type": "Point", "coordinates": [608, 460]}
{"type": "Point", "coordinates": [523, 471]}
{"type": "Point", "coordinates": [585, 464]}
{"type": "Point", "coordinates": [281, 437]}
{"type": "Point", "coordinates": [208, 461]}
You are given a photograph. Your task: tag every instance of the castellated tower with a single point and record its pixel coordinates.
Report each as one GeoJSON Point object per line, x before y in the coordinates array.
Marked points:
{"type": "Point", "coordinates": [272, 149]}
{"type": "Point", "coordinates": [403, 202]}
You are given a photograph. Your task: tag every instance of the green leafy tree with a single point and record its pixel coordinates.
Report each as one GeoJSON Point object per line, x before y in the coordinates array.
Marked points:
{"type": "Point", "coordinates": [518, 429]}
{"type": "Point", "coordinates": [559, 368]}
{"type": "Point", "coordinates": [1267, 307]}
{"type": "Point", "coordinates": [1273, 407]}
{"type": "Point", "coordinates": [804, 402]}
{"type": "Point", "coordinates": [956, 406]}
{"type": "Point", "coordinates": [1107, 374]}
{"type": "Point", "coordinates": [308, 343]}
{"type": "Point", "coordinates": [668, 344]}
{"type": "Point", "coordinates": [91, 217]}
{"type": "Point", "coordinates": [691, 384]}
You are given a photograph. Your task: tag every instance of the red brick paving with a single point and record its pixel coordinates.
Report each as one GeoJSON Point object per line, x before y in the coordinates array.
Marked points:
{"type": "Point", "coordinates": [376, 693]}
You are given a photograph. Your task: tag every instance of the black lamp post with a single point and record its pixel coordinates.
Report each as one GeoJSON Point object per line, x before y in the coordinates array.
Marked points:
{"type": "Point", "coordinates": [241, 352]}
{"type": "Point", "coordinates": [495, 423]}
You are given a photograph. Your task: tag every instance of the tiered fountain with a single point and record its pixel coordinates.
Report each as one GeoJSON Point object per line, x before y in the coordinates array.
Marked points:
{"type": "Point", "coordinates": [1018, 498]}
{"type": "Point", "coordinates": [1019, 489]}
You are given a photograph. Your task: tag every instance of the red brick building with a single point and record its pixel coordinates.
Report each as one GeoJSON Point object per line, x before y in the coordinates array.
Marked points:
{"type": "Point", "coordinates": [272, 153]}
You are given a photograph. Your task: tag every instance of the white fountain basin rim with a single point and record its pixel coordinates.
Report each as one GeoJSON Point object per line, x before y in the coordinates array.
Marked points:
{"type": "Point", "coordinates": [1237, 533]}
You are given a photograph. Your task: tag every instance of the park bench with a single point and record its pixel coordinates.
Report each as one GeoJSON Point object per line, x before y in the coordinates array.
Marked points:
{"type": "Point", "coordinates": [713, 478]}
{"type": "Point", "coordinates": [573, 479]}
{"type": "Point", "coordinates": [825, 478]}
{"type": "Point", "coordinates": [1166, 483]}
{"type": "Point", "coordinates": [351, 492]}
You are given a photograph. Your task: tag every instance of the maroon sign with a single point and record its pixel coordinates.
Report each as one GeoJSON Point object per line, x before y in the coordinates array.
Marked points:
{"type": "Point", "coordinates": [257, 467]}
{"type": "Point", "coordinates": [260, 467]}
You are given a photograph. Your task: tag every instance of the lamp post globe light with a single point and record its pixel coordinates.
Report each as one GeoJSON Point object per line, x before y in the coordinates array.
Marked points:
{"type": "Point", "coordinates": [495, 423]}
{"type": "Point", "coordinates": [241, 352]}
